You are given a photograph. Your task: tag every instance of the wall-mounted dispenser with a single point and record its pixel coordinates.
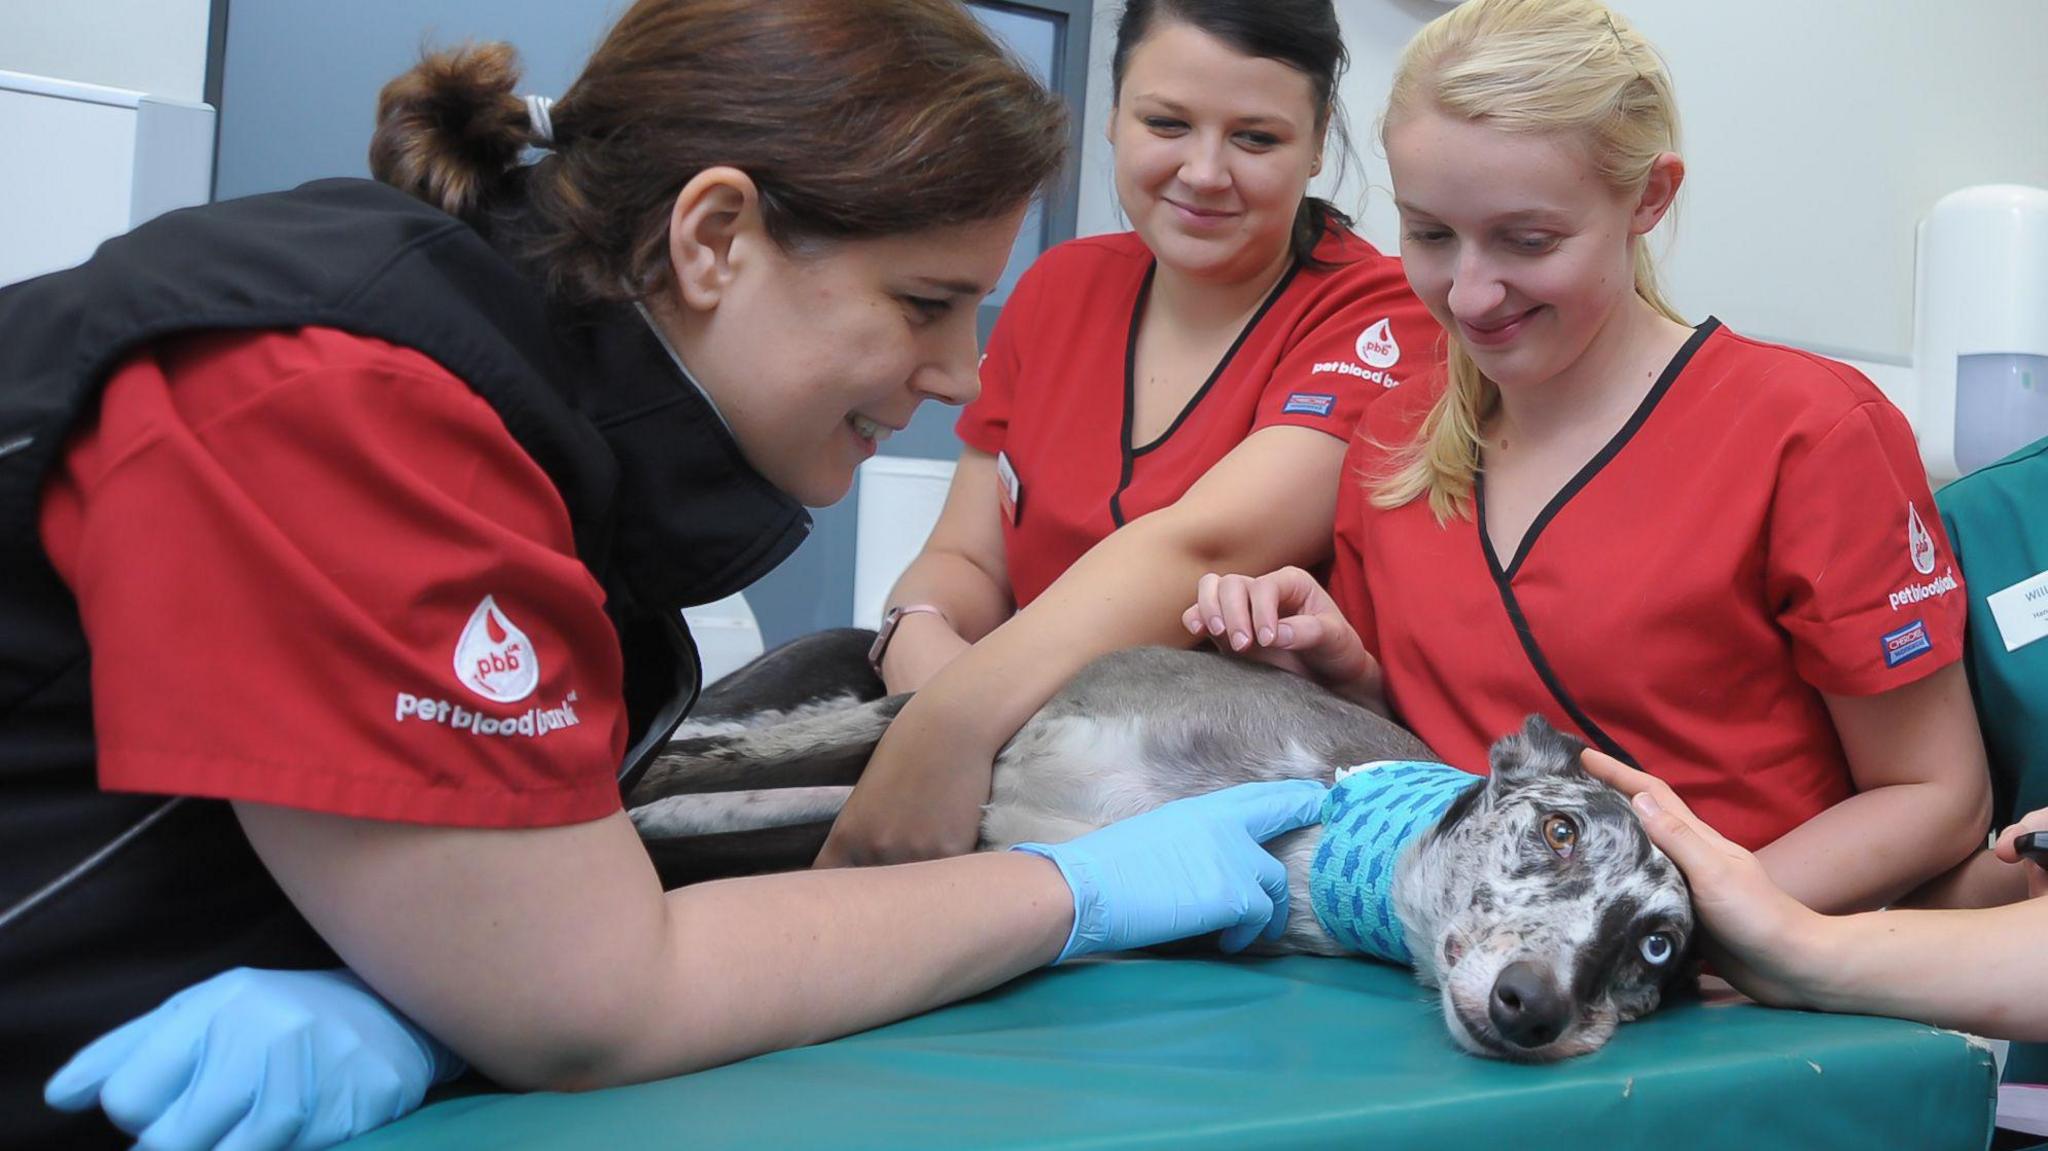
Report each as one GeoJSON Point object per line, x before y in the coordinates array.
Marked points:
{"type": "Point", "coordinates": [1980, 344]}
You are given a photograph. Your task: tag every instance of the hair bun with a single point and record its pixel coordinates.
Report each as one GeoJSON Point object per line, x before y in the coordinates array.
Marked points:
{"type": "Point", "coordinates": [451, 128]}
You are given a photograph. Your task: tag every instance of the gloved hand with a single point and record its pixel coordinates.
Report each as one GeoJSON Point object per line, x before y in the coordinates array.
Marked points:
{"type": "Point", "coordinates": [1192, 866]}
{"type": "Point", "coordinates": [255, 1059]}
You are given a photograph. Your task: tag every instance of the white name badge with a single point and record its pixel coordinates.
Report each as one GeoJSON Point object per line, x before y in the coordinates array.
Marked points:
{"type": "Point", "coordinates": [2021, 611]}
{"type": "Point", "coordinates": [1009, 492]}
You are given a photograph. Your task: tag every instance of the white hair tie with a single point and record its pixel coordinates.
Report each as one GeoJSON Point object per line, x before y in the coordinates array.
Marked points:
{"type": "Point", "coordinates": [543, 125]}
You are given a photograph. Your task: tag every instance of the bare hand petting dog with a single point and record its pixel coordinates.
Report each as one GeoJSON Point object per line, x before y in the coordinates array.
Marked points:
{"type": "Point", "coordinates": [1757, 937]}
{"type": "Point", "coordinates": [1286, 619]}
{"type": "Point", "coordinates": [1975, 969]}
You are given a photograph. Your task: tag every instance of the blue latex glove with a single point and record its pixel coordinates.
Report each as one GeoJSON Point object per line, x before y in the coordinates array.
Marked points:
{"type": "Point", "coordinates": [1190, 867]}
{"type": "Point", "coordinates": [255, 1059]}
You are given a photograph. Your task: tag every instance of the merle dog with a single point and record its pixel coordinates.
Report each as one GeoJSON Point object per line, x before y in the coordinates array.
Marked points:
{"type": "Point", "coordinates": [1535, 904]}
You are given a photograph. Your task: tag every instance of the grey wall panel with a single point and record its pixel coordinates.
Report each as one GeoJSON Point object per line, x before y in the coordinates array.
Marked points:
{"type": "Point", "coordinates": [299, 78]}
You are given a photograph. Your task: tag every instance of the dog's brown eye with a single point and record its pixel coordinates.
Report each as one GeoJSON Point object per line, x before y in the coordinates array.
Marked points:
{"type": "Point", "coordinates": [1561, 833]}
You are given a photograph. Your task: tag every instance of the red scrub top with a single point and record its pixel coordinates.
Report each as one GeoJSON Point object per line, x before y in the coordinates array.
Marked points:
{"type": "Point", "coordinates": [316, 571]}
{"type": "Point", "coordinates": [1057, 387]}
{"type": "Point", "coordinates": [1760, 532]}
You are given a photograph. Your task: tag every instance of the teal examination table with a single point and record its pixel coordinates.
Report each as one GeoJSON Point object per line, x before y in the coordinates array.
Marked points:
{"type": "Point", "coordinates": [1269, 1053]}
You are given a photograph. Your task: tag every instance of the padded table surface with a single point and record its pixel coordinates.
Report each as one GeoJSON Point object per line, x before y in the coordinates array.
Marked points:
{"type": "Point", "coordinates": [1278, 1053]}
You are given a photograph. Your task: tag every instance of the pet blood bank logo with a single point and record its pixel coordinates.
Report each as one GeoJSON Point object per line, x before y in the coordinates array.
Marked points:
{"type": "Point", "coordinates": [1920, 548]}
{"type": "Point", "coordinates": [1376, 346]}
{"type": "Point", "coordinates": [1919, 541]}
{"type": "Point", "coordinates": [494, 658]}
{"type": "Point", "coordinates": [1377, 352]}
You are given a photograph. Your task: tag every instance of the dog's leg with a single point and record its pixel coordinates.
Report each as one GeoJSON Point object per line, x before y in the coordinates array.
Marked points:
{"type": "Point", "coordinates": [718, 812]}
{"type": "Point", "coordinates": [824, 669]}
{"type": "Point", "coordinates": [720, 834]}
{"type": "Point", "coordinates": [824, 750]}
{"type": "Point", "coordinates": [680, 862]}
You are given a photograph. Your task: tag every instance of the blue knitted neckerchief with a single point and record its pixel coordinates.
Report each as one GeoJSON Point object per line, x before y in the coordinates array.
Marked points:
{"type": "Point", "coordinates": [1369, 817]}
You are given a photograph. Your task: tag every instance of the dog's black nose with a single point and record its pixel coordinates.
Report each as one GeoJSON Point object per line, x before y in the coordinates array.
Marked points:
{"type": "Point", "coordinates": [1527, 1006]}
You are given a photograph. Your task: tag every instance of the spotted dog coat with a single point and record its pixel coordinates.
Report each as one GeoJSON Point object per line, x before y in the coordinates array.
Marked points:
{"type": "Point", "coordinates": [1536, 905]}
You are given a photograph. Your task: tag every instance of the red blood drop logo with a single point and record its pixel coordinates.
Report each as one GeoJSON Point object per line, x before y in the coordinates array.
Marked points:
{"type": "Point", "coordinates": [495, 659]}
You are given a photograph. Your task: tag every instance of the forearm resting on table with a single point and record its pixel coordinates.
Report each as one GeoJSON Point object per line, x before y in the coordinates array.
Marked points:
{"type": "Point", "coordinates": [767, 963]}
{"type": "Point", "coordinates": [550, 958]}
{"type": "Point", "coordinates": [1978, 971]}
{"type": "Point", "coordinates": [748, 966]}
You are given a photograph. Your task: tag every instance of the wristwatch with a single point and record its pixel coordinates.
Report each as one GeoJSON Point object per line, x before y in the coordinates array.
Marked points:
{"type": "Point", "coordinates": [887, 631]}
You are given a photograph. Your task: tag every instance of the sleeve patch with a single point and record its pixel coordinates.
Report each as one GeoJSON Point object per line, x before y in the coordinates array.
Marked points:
{"type": "Point", "coordinates": [1312, 403]}
{"type": "Point", "coordinates": [1909, 642]}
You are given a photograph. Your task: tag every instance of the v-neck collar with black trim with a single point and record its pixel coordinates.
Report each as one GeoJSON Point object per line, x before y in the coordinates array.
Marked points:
{"type": "Point", "coordinates": [1503, 577]}
{"type": "Point", "coordinates": [1131, 453]}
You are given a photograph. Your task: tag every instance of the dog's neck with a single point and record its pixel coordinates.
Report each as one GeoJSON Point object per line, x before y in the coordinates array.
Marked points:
{"type": "Point", "coordinates": [1373, 818]}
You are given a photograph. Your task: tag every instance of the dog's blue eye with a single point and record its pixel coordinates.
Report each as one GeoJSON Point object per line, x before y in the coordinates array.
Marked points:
{"type": "Point", "coordinates": [1656, 948]}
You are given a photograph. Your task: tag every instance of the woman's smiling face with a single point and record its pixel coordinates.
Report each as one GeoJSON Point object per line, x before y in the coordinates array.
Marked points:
{"type": "Point", "coordinates": [1214, 150]}
{"type": "Point", "coordinates": [1513, 240]}
{"type": "Point", "coordinates": [816, 355]}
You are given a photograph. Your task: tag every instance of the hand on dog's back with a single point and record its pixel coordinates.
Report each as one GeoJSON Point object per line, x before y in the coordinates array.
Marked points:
{"type": "Point", "coordinates": [1284, 618]}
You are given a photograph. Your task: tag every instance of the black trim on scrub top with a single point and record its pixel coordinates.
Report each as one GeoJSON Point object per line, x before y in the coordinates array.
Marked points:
{"type": "Point", "coordinates": [1123, 440]}
{"type": "Point", "coordinates": [1503, 578]}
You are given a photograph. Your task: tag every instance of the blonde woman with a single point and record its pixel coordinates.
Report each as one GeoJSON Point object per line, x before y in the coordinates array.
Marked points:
{"type": "Point", "coordinates": [1712, 557]}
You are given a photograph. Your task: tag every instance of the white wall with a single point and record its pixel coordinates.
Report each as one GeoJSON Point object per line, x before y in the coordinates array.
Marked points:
{"type": "Point", "coordinates": [153, 46]}
{"type": "Point", "coordinates": [1817, 134]}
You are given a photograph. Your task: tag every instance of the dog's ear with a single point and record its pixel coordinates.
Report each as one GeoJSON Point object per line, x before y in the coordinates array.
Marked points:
{"type": "Point", "coordinates": [1538, 750]}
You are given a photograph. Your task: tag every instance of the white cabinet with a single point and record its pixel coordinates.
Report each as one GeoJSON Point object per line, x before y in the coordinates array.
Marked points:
{"type": "Point", "coordinates": [80, 163]}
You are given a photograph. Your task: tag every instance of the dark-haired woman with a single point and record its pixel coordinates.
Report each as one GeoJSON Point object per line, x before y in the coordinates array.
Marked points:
{"type": "Point", "coordinates": [1155, 405]}
{"type": "Point", "coordinates": [347, 532]}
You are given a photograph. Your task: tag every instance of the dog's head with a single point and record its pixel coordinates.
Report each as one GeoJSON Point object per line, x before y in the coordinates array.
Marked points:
{"type": "Point", "coordinates": [1541, 909]}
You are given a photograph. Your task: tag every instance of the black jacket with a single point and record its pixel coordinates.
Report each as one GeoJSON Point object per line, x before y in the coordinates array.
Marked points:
{"type": "Point", "coordinates": [109, 903]}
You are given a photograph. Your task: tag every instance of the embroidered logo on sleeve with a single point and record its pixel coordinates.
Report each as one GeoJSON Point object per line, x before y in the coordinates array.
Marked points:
{"type": "Point", "coordinates": [494, 658]}
{"type": "Point", "coordinates": [533, 722]}
{"type": "Point", "coordinates": [1920, 549]}
{"type": "Point", "coordinates": [1377, 350]}
{"type": "Point", "coordinates": [1909, 642]}
{"type": "Point", "coordinates": [1935, 588]}
{"type": "Point", "coordinates": [1377, 347]}
{"type": "Point", "coordinates": [1919, 541]}
{"type": "Point", "coordinates": [1313, 403]}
